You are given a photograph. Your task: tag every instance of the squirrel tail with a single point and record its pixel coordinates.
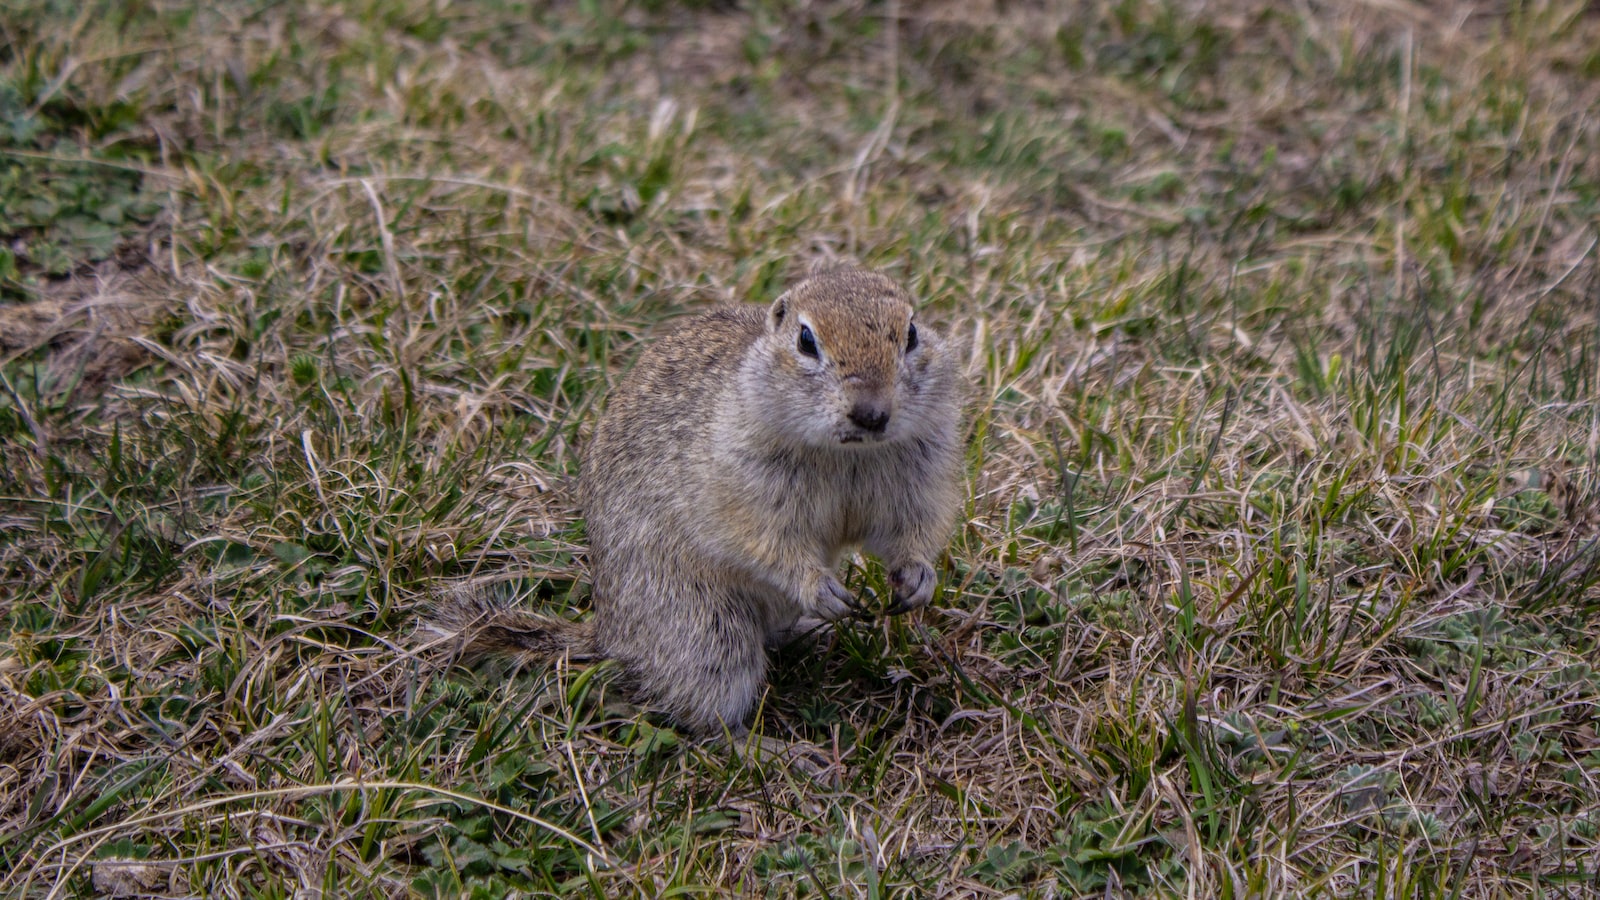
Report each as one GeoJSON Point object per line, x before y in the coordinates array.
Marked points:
{"type": "Point", "coordinates": [487, 627]}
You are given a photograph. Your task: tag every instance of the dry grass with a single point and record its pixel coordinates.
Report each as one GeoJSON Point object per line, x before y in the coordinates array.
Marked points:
{"type": "Point", "coordinates": [1279, 575]}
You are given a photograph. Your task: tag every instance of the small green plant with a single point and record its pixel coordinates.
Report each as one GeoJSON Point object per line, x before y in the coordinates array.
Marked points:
{"type": "Point", "coordinates": [57, 211]}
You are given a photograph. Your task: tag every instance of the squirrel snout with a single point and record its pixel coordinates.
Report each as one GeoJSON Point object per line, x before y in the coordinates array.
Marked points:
{"type": "Point", "coordinates": [870, 416]}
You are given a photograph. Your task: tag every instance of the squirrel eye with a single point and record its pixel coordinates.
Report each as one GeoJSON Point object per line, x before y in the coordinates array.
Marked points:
{"type": "Point", "coordinates": [911, 337]}
{"type": "Point", "coordinates": [808, 342]}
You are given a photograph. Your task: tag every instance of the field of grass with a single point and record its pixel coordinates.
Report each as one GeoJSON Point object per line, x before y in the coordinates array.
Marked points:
{"type": "Point", "coordinates": [1279, 574]}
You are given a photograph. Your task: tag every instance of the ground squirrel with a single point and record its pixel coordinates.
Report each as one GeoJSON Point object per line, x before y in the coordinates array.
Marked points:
{"type": "Point", "coordinates": [747, 452]}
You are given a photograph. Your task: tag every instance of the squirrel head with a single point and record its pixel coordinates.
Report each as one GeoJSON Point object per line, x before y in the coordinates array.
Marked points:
{"type": "Point", "coordinates": [845, 363]}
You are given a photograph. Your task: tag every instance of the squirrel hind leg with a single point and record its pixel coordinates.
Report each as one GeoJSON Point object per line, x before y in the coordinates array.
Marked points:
{"type": "Point", "coordinates": [707, 680]}
{"type": "Point", "coordinates": [725, 707]}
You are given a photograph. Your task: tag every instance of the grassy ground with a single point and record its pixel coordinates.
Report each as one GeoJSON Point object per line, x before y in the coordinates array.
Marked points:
{"type": "Point", "coordinates": [1279, 574]}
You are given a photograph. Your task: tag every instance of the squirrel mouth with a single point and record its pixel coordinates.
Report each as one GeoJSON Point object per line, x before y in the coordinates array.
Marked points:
{"type": "Point", "coordinates": [861, 437]}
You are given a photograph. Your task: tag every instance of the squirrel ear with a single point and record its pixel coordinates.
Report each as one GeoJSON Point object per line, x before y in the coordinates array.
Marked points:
{"type": "Point", "coordinates": [776, 312]}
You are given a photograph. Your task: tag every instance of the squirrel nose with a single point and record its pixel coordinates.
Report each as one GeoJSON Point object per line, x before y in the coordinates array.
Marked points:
{"type": "Point", "coordinates": [869, 416]}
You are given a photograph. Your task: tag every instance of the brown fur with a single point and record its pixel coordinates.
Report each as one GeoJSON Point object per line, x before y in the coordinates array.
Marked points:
{"type": "Point", "coordinates": [486, 627]}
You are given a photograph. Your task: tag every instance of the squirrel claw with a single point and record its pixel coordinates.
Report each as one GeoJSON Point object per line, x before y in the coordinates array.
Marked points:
{"type": "Point", "coordinates": [834, 602]}
{"type": "Point", "coordinates": [912, 585]}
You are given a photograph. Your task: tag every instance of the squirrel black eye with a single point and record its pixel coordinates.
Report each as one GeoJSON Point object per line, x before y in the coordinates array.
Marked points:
{"type": "Point", "coordinates": [808, 342]}
{"type": "Point", "coordinates": [911, 337]}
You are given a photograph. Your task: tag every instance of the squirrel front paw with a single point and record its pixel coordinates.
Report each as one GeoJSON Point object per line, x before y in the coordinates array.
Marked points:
{"type": "Point", "coordinates": [833, 601]}
{"type": "Point", "coordinates": [912, 585]}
